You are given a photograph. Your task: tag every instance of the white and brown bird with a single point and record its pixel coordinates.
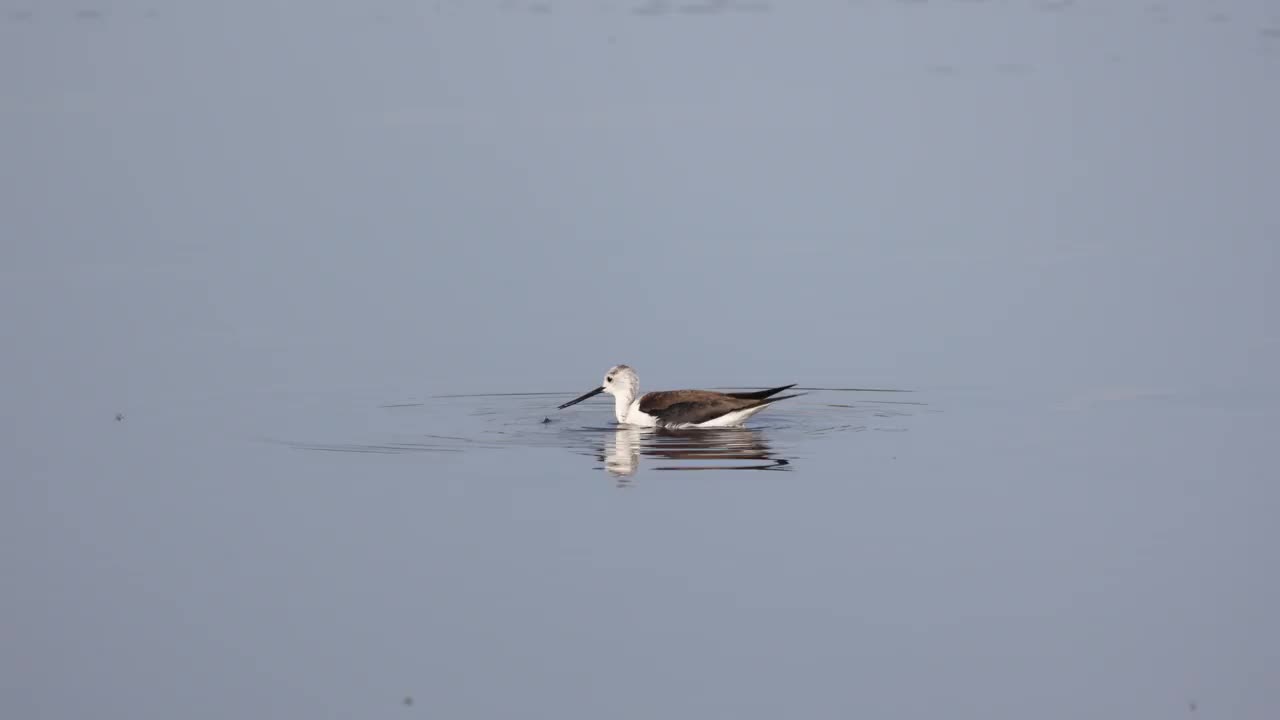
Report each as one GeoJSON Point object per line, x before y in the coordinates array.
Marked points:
{"type": "Point", "coordinates": [679, 408]}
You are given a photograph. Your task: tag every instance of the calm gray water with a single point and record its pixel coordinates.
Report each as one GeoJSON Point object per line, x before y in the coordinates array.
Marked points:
{"type": "Point", "coordinates": [289, 293]}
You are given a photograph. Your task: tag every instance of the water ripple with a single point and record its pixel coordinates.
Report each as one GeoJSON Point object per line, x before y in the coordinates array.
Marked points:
{"type": "Point", "coordinates": [493, 422]}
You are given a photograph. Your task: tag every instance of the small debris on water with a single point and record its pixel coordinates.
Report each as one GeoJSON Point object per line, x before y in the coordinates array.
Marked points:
{"type": "Point", "coordinates": [546, 420]}
{"type": "Point", "coordinates": [119, 417]}
{"type": "Point", "coordinates": [408, 701]}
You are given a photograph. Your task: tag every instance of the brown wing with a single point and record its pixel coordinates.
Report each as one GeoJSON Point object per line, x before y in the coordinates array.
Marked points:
{"type": "Point", "coordinates": [693, 412]}
{"type": "Point", "coordinates": [677, 407]}
{"type": "Point", "coordinates": [655, 402]}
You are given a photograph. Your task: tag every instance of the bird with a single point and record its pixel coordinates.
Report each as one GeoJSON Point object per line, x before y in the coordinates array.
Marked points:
{"type": "Point", "coordinates": [679, 408]}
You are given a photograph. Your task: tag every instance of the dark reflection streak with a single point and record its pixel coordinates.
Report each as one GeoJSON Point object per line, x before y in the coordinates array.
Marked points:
{"type": "Point", "coordinates": [395, 449]}
{"type": "Point", "coordinates": [781, 465]}
{"type": "Point", "coordinates": [366, 451]}
{"type": "Point", "coordinates": [622, 451]}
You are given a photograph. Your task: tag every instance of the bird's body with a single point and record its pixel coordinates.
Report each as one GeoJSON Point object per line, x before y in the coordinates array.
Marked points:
{"type": "Point", "coordinates": [679, 408]}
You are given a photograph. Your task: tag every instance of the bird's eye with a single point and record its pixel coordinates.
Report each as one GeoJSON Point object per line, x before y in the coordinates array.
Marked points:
{"type": "Point", "coordinates": [609, 379]}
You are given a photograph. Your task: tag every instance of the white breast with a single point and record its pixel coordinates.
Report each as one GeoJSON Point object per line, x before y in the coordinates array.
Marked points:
{"type": "Point", "coordinates": [633, 415]}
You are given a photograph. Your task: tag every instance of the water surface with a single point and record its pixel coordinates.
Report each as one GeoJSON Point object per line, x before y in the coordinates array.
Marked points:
{"type": "Point", "coordinates": [270, 274]}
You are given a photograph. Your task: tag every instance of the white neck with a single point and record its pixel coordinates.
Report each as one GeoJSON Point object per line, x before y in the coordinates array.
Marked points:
{"type": "Point", "coordinates": [621, 406]}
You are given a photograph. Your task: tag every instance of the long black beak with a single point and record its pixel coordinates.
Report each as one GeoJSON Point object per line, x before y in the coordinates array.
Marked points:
{"type": "Point", "coordinates": [597, 391]}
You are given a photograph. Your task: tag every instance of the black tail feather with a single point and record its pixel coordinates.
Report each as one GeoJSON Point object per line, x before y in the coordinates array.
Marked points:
{"type": "Point", "coordinates": [767, 401]}
{"type": "Point", "coordinates": [760, 394]}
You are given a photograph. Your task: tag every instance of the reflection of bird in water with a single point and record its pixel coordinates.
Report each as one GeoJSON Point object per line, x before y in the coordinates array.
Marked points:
{"type": "Point", "coordinates": [621, 452]}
